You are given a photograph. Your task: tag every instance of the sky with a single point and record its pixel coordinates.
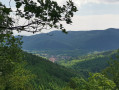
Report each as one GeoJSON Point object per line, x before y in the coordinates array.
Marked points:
{"type": "Point", "coordinates": [91, 15]}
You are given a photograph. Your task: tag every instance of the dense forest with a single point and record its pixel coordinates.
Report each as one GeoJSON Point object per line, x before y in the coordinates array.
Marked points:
{"type": "Point", "coordinates": [71, 45]}
{"type": "Point", "coordinates": [40, 74]}
{"type": "Point", "coordinates": [48, 75]}
{"type": "Point", "coordinates": [85, 41]}
{"type": "Point", "coordinates": [101, 69]}
{"type": "Point", "coordinates": [21, 70]}
{"type": "Point", "coordinates": [91, 62]}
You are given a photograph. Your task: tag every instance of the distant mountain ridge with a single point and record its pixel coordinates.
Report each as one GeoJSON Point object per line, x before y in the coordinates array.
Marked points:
{"type": "Point", "coordinates": [91, 40]}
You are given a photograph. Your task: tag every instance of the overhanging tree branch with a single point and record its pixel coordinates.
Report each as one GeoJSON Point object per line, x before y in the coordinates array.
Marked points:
{"type": "Point", "coordinates": [43, 14]}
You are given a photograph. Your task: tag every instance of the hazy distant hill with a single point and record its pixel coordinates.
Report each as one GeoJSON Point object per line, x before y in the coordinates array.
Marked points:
{"type": "Point", "coordinates": [90, 40]}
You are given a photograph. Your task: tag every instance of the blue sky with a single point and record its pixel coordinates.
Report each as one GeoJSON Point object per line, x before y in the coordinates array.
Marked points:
{"type": "Point", "coordinates": [92, 14]}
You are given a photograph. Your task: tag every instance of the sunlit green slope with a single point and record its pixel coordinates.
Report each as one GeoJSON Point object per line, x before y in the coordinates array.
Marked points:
{"type": "Point", "coordinates": [90, 63]}
{"type": "Point", "coordinates": [48, 74]}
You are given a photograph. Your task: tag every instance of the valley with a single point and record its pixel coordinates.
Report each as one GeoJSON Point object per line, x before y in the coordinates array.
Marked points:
{"type": "Point", "coordinates": [56, 63]}
{"type": "Point", "coordinates": [49, 45]}
{"type": "Point", "coordinates": [59, 54]}
{"type": "Point", "coordinates": [86, 52]}
{"type": "Point", "coordinates": [59, 46]}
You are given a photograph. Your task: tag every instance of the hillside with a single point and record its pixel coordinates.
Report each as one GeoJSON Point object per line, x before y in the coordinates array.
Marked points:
{"type": "Point", "coordinates": [96, 40]}
{"type": "Point", "coordinates": [90, 63]}
{"type": "Point", "coordinates": [48, 74]}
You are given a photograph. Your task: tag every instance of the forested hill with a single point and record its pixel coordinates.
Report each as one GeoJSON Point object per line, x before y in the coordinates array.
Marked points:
{"type": "Point", "coordinates": [89, 40]}
{"type": "Point", "coordinates": [48, 75]}
{"type": "Point", "coordinates": [92, 62]}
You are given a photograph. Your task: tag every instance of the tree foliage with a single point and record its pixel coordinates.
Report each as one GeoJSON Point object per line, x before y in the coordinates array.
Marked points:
{"type": "Point", "coordinates": [42, 14]}
{"type": "Point", "coordinates": [39, 15]}
{"type": "Point", "coordinates": [112, 72]}
{"type": "Point", "coordinates": [48, 75]}
{"type": "Point", "coordinates": [96, 81]}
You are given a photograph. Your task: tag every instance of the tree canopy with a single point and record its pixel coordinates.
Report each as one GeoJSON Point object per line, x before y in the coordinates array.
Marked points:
{"type": "Point", "coordinates": [37, 15]}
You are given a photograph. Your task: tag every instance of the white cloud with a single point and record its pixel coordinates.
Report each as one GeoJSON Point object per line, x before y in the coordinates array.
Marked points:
{"type": "Point", "coordinates": [85, 23]}
{"type": "Point", "coordinates": [101, 1]}
{"type": "Point", "coordinates": [81, 2]}
{"type": "Point", "coordinates": [93, 22]}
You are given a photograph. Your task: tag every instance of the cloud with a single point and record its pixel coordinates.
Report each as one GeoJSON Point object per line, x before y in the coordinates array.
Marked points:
{"type": "Point", "coordinates": [93, 22]}
{"type": "Point", "coordinates": [109, 1]}
{"type": "Point", "coordinates": [100, 1]}
{"type": "Point", "coordinates": [82, 2]}
{"type": "Point", "coordinates": [86, 23]}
